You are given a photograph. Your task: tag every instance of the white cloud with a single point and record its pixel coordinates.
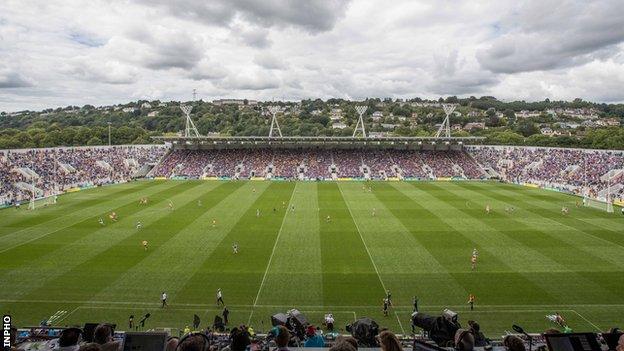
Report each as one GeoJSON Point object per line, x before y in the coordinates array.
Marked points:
{"type": "Point", "coordinates": [269, 61]}
{"type": "Point", "coordinates": [544, 35]}
{"type": "Point", "coordinates": [56, 53]}
{"type": "Point", "coordinates": [90, 69]}
{"type": "Point", "coordinates": [9, 78]}
{"type": "Point", "coordinates": [250, 80]}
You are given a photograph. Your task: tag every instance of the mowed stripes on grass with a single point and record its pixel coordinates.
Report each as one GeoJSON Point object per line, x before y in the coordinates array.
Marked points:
{"type": "Point", "coordinates": [316, 246]}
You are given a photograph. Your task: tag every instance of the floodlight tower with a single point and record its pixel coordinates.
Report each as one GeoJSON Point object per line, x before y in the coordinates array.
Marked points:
{"type": "Point", "coordinates": [274, 109]}
{"type": "Point", "coordinates": [190, 130]}
{"type": "Point", "coordinates": [360, 123]}
{"type": "Point", "coordinates": [446, 124]}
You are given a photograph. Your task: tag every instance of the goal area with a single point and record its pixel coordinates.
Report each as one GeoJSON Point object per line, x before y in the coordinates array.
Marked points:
{"type": "Point", "coordinates": [42, 202]}
{"type": "Point", "coordinates": [599, 204]}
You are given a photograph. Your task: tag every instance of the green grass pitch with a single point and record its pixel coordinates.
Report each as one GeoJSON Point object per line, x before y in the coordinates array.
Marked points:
{"type": "Point", "coordinates": [532, 262]}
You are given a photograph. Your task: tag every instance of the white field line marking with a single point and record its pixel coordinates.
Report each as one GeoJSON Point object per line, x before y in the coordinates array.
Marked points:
{"type": "Point", "coordinates": [53, 231]}
{"type": "Point", "coordinates": [398, 307]}
{"type": "Point", "coordinates": [66, 315]}
{"type": "Point", "coordinates": [399, 320]}
{"type": "Point", "coordinates": [279, 233]}
{"type": "Point", "coordinates": [163, 309]}
{"type": "Point", "coordinates": [504, 311]}
{"type": "Point", "coordinates": [587, 320]}
{"type": "Point", "coordinates": [38, 237]}
{"type": "Point", "coordinates": [362, 238]}
{"type": "Point", "coordinates": [354, 316]}
{"type": "Point", "coordinates": [60, 218]}
{"type": "Point", "coordinates": [545, 207]}
{"type": "Point", "coordinates": [51, 221]}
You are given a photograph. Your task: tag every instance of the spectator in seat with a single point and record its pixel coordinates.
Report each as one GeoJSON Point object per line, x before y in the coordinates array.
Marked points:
{"type": "Point", "coordinates": [347, 340]}
{"type": "Point", "coordinates": [69, 339]}
{"type": "Point", "coordinates": [620, 346]}
{"type": "Point", "coordinates": [464, 340]}
{"type": "Point", "coordinates": [480, 339]}
{"type": "Point", "coordinates": [103, 335]}
{"type": "Point", "coordinates": [12, 338]}
{"type": "Point", "coordinates": [193, 342]}
{"type": "Point", "coordinates": [513, 343]}
{"type": "Point", "coordinates": [91, 347]}
{"type": "Point", "coordinates": [313, 339]}
{"type": "Point", "coordinates": [342, 345]}
{"type": "Point", "coordinates": [389, 342]}
{"type": "Point", "coordinates": [239, 339]}
{"type": "Point", "coordinates": [172, 343]}
{"type": "Point", "coordinates": [282, 337]}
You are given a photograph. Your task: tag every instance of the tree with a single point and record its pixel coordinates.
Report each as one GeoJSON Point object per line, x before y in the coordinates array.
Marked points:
{"type": "Point", "coordinates": [505, 138]}
{"type": "Point", "coordinates": [94, 141]}
{"type": "Point", "coordinates": [527, 128]}
{"type": "Point", "coordinates": [510, 115]}
{"type": "Point", "coordinates": [493, 121]}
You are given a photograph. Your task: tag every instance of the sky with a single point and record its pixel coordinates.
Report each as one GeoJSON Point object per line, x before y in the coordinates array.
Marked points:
{"type": "Point", "coordinates": [56, 53]}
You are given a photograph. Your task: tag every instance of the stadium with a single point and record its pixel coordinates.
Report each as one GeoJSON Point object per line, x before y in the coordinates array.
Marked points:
{"type": "Point", "coordinates": [331, 175]}
{"type": "Point", "coordinates": [320, 225]}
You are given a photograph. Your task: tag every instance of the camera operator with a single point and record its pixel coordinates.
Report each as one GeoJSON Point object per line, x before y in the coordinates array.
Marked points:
{"type": "Point", "coordinates": [440, 329]}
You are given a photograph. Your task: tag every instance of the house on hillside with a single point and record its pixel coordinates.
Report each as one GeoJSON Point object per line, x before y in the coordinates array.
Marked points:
{"type": "Point", "coordinates": [608, 122]}
{"type": "Point", "coordinates": [474, 126]}
{"type": "Point", "coordinates": [389, 125]}
{"type": "Point", "coordinates": [377, 116]}
{"type": "Point", "coordinates": [527, 114]}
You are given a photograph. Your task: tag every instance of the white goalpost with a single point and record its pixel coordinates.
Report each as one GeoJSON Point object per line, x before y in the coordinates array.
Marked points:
{"type": "Point", "coordinates": [36, 203]}
{"type": "Point", "coordinates": [602, 205]}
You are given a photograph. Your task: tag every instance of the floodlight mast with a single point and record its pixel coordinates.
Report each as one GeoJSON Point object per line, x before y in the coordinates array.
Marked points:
{"type": "Point", "coordinates": [190, 130]}
{"type": "Point", "coordinates": [360, 123]}
{"type": "Point", "coordinates": [274, 125]}
{"type": "Point", "coordinates": [445, 128]}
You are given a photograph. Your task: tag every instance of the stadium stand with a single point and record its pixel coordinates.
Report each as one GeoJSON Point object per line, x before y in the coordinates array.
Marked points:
{"type": "Point", "coordinates": [572, 170]}
{"type": "Point", "coordinates": [42, 172]}
{"type": "Point", "coordinates": [318, 164]}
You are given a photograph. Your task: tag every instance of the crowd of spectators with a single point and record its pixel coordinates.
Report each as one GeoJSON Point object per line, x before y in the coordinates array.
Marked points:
{"type": "Point", "coordinates": [576, 170]}
{"type": "Point", "coordinates": [409, 163]}
{"type": "Point", "coordinates": [439, 163]}
{"type": "Point", "coordinates": [286, 163]}
{"type": "Point", "coordinates": [256, 162]}
{"type": "Point", "coordinates": [57, 169]}
{"type": "Point", "coordinates": [348, 163]}
{"type": "Point", "coordinates": [318, 164]}
{"type": "Point", "coordinates": [284, 337]}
